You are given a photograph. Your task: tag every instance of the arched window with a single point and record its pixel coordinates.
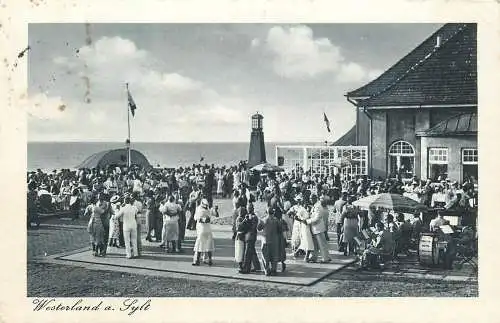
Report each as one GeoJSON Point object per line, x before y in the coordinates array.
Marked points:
{"type": "Point", "coordinates": [401, 148]}
{"type": "Point", "coordinates": [402, 159]}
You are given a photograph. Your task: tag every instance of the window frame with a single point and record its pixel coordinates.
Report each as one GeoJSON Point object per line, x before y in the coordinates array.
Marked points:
{"type": "Point", "coordinates": [438, 162]}
{"type": "Point", "coordinates": [470, 162]}
{"type": "Point", "coordinates": [400, 152]}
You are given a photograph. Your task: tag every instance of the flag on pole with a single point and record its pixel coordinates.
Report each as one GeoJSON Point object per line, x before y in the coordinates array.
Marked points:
{"type": "Point", "coordinates": [327, 122]}
{"type": "Point", "coordinates": [131, 102]}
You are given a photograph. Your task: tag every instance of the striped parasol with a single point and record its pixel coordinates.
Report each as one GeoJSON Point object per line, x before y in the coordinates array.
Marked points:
{"type": "Point", "coordinates": [266, 168]}
{"type": "Point", "coordinates": [396, 202]}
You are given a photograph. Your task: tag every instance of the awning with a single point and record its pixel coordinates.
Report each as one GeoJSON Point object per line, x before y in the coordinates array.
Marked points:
{"type": "Point", "coordinates": [461, 124]}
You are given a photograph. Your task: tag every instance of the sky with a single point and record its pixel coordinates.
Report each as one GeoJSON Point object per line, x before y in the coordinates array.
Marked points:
{"type": "Point", "coordinates": [202, 82]}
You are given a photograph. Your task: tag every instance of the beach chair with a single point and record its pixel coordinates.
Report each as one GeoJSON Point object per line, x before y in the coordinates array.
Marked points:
{"type": "Point", "coordinates": [466, 248]}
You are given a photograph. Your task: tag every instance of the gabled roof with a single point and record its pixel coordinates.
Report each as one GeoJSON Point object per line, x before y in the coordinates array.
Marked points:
{"type": "Point", "coordinates": [348, 139]}
{"type": "Point", "coordinates": [461, 124]}
{"type": "Point", "coordinates": [428, 75]}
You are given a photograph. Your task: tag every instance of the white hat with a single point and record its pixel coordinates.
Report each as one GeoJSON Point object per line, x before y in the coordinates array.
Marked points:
{"type": "Point", "coordinates": [114, 199]}
{"type": "Point", "coordinates": [204, 203]}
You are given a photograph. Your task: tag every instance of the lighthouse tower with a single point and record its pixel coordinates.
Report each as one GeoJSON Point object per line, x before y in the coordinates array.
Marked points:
{"type": "Point", "coordinates": [257, 150]}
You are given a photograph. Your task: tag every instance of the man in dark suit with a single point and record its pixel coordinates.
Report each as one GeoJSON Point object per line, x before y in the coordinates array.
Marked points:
{"type": "Point", "coordinates": [209, 185]}
{"type": "Point", "coordinates": [249, 226]}
{"type": "Point", "coordinates": [158, 199]}
{"type": "Point", "coordinates": [270, 242]}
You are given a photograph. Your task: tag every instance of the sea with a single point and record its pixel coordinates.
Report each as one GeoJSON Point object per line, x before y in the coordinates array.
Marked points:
{"type": "Point", "coordinates": [50, 156]}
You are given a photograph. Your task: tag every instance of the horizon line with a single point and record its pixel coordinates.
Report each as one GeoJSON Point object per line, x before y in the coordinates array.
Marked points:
{"type": "Point", "coordinates": [169, 142]}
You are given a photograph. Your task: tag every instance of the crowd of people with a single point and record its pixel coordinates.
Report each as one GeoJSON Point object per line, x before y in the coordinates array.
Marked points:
{"type": "Point", "coordinates": [126, 206]}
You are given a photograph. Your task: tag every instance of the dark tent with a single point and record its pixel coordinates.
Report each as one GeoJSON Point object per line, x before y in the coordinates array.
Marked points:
{"type": "Point", "coordinates": [114, 157]}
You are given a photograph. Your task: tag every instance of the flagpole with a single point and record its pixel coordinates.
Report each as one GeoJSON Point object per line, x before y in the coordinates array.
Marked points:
{"type": "Point", "coordinates": [328, 127]}
{"type": "Point", "coordinates": [128, 128]}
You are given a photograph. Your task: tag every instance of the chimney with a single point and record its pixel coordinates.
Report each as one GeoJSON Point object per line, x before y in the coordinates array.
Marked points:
{"type": "Point", "coordinates": [438, 41]}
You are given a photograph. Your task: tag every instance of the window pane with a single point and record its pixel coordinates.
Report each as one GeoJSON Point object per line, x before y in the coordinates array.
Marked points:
{"type": "Point", "coordinates": [438, 156]}
{"type": "Point", "coordinates": [470, 156]}
{"type": "Point", "coordinates": [401, 147]}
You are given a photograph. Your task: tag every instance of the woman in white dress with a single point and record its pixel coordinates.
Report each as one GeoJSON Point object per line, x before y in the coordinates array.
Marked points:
{"type": "Point", "coordinates": [236, 180]}
{"type": "Point", "coordinates": [114, 222]}
{"type": "Point", "coordinates": [204, 237]}
{"type": "Point", "coordinates": [292, 212]}
{"type": "Point", "coordinates": [220, 184]}
{"type": "Point", "coordinates": [304, 230]}
{"type": "Point", "coordinates": [306, 238]}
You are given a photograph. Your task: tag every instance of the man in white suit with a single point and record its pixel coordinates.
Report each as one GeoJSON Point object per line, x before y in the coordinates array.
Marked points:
{"type": "Point", "coordinates": [129, 214]}
{"type": "Point", "coordinates": [318, 228]}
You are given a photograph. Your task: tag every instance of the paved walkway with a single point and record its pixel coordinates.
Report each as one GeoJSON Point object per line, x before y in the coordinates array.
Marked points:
{"type": "Point", "coordinates": [155, 259]}
{"type": "Point", "coordinates": [62, 236]}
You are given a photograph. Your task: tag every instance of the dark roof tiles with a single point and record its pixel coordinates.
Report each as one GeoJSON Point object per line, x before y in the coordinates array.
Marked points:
{"type": "Point", "coordinates": [411, 59]}
{"type": "Point", "coordinates": [430, 75]}
{"type": "Point", "coordinates": [461, 124]}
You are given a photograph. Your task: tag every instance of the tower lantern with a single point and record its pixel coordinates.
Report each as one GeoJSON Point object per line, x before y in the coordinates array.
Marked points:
{"type": "Point", "coordinates": [257, 149]}
{"type": "Point", "coordinates": [257, 121]}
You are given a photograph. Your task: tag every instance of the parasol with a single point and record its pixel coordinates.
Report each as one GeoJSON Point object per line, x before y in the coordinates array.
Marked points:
{"type": "Point", "coordinates": [266, 168]}
{"type": "Point", "coordinates": [396, 202]}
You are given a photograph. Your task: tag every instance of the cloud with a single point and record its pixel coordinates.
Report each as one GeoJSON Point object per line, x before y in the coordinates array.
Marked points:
{"type": "Point", "coordinates": [42, 106]}
{"type": "Point", "coordinates": [180, 83]}
{"type": "Point", "coordinates": [373, 74]}
{"type": "Point", "coordinates": [113, 61]}
{"type": "Point", "coordinates": [351, 72]}
{"type": "Point", "coordinates": [165, 99]}
{"type": "Point", "coordinates": [255, 43]}
{"type": "Point", "coordinates": [223, 115]}
{"type": "Point", "coordinates": [111, 50]}
{"type": "Point", "coordinates": [219, 115]}
{"type": "Point", "coordinates": [98, 117]}
{"type": "Point", "coordinates": [297, 54]}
